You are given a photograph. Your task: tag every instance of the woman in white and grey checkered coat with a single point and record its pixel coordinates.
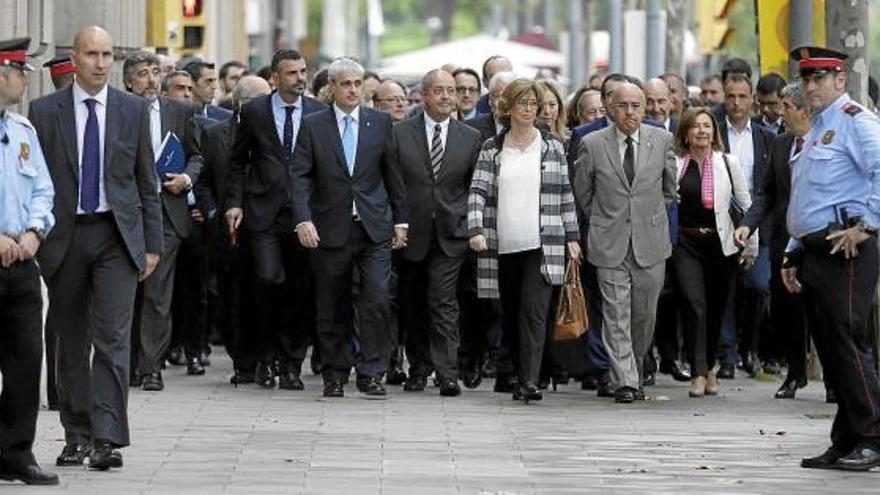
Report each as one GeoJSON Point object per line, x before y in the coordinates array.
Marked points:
{"type": "Point", "coordinates": [521, 221]}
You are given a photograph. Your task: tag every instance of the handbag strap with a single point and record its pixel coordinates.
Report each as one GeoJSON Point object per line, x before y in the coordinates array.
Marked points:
{"type": "Point", "coordinates": [729, 175]}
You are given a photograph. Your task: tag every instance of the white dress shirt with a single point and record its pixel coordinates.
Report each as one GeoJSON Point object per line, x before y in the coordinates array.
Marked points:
{"type": "Point", "coordinates": [81, 112]}
{"type": "Point", "coordinates": [742, 147]}
{"type": "Point", "coordinates": [429, 130]}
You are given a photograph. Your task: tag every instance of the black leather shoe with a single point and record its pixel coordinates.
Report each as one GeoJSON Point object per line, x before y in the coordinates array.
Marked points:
{"type": "Point", "coordinates": [603, 386]}
{"type": "Point", "coordinates": [153, 382]}
{"type": "Point", "coordinates": [415, 383]}
{"type": "Point", "coordinates": [649, 380]}
{"type": "Point", "coordinates": [679, 371]}
{"type": "Point", "coordinates": [830, 396]}
{"type": "Point", "coordinates": [505, 384]}
{"type": "Point", "coordinates": [751, 364]}
{"type": "Point", "coordinates": [449, 387]}
{"type": "Point", "coordinates": [589, 382]}
{"type": "Point", "coordinates": [264, 376]}
{"type": "Point", "coordinates": [372, 388]}
{"type": "Point", "coordinates": [472, 378]}
{"type": "Point", "coordinates": [176, 357]}
{"type": "Point", "coordinates": [639, 394]}
{"type": "Point", "coordinates": [103, 457]}
{"type": "Point", "coordinates": [825, 460]}
{"type": "Point", "coordinates": [395, 376]}
{"type": "Point", "coordinates": [726, 371]}
{"type": "Point", "coordinates": [333, 388]}
{"type": "Point", "coordinates": [543, 383]}
{"type": "Point", "coordinates": [29, 475]}
{"type": "Point", "coordinates": [315, 360]}
{"type": "Point", "coordinates": [290, 379]}
{"type": "Point", "coordinates": [771, 367]}
{"type": "Point", "coordinates": [194, 367]}
{"type": "Point", "coordinates": [527, 392]}
{"type": "Point", "coordinates": [862, 458]}
{"type": "Point", "coordinates": [73, 454]}
{"type": "Point", "coordinates": [624, 395]}
{"type": "Point", "coordinates": [242, 377]}
{"type": "Point", "coordinates": [134, 381]}
{"type": "Point", "coordinates": [789, 387]}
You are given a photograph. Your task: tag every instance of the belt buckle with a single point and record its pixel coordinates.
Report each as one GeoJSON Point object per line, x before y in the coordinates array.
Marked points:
{"type": "Point", "coordinates": [704, 230]}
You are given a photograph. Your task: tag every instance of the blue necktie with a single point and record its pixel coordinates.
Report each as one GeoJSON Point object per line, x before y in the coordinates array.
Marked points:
{"type": "Point", "coordinates": [288, 128]}
{"type": "Point", "coordinates": [91, 162]}
{"type": "Point", "coordinates": [348, 143]}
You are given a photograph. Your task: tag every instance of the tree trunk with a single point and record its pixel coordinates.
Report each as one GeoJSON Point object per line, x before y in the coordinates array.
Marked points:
{"type": "Point", "coordinates": [847, 31]}
{"type": "Point", "coordinates": [442, 10]}
{"type": "Point", "coordinates": [676, 25]}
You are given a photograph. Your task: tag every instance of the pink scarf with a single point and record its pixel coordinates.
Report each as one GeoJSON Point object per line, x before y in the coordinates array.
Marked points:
{"type": "Point", "coordinates": [707, 181]}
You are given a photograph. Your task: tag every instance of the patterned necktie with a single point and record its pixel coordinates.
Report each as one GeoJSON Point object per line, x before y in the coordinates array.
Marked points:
{"type": "Point", "coordinates": [288, 128]}
{"type": "Point", "coordinates": [91, 161]}
{"type": "Point", "coordinates": [348, 142]}
{"type": "Point", "coordinates": [436, 150]}
{"type": "Point", "coordinates": [629, 159]}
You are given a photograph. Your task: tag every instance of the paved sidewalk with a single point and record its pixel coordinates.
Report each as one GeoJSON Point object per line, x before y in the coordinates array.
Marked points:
{"type": "Point", "coordinates": [201, 435]}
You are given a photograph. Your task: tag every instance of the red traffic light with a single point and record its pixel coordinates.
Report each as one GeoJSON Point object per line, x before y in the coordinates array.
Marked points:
{"type": "Point", "coordinates": [192, 8]}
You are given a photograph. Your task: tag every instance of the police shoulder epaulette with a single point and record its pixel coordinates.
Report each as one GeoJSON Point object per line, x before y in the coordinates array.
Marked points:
{"type": "Point", "coordinates": [21, 119]}
{"type": "Point", "coordinates": [851, 109]}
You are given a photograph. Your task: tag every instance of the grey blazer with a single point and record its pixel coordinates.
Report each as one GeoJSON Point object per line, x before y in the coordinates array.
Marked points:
{"type": "Point", "coordinates": [617, 213]}
{"type": "Point", "coordinates": [130, 180]}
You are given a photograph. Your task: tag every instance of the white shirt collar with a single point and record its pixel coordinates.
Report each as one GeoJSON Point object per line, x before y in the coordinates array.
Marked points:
{"type": "Point", "coordinates": [355, 114]}
{"type": "Point", "coordinates": [429, 122]}
{"type": "Point", "coordinates": [621, 137]}
{"type": "Point", "coordinates": [730, 128]}
{"type": "Point", "coordinates": [80, 95]}
{"type": "Point", "coordinates": [278, 101]}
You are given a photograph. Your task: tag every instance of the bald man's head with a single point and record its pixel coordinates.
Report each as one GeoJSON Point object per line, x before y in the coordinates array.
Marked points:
{"type": "Point", "coordinates": [92, 55]}
{"type": "Point", "coordinates": [248, 88]}
{"type": "Point", "coordinates": [658, 104]}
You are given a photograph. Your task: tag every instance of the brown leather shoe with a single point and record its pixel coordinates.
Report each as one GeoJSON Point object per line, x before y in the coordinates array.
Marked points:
{"type": "Point", "coordinates": [712, 384]}
{"type": "Point", "coordinates": [698, 387]}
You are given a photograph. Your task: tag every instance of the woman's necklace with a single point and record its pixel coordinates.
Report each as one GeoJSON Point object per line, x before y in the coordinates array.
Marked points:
{"type": "Point", "coordinates": [524, 143]}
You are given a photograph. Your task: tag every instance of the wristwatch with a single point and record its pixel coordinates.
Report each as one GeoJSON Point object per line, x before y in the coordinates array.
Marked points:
{"type": "Point", "coordinates": [40, 233]}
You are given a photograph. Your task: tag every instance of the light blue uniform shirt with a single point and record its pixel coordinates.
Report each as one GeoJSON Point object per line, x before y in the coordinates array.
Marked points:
{"type": "Point", "coordinates": [26, 191]}
{"type": "Point", "coordinates": [838, 167]}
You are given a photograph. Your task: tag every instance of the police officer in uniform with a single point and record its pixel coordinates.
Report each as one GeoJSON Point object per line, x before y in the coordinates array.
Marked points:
{"type": "Point", "coordinates": [832, 257]}
{"type": "Point", "coordinates": [26, 196]}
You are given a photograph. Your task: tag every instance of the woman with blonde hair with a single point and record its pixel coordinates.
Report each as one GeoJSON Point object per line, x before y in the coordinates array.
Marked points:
{"type": "Point", "coordinates": [552, 111]}
{"type": "Point", "coordinates": [521, 221]}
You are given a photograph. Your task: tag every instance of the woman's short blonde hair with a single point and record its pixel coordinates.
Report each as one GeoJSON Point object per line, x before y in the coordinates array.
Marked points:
{"type": "Point", "coordinates": [514, 91]}
{"type": "Point", "coordinates": [559, 125]}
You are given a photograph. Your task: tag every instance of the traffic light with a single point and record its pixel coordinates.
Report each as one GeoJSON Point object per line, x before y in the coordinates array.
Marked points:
{"type": "Point", "coordinates": [177, 26]}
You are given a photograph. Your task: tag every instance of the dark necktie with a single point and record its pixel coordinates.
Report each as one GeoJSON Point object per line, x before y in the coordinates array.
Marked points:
{"type": "Point", "coordinates": [629, 159]}
{"type": "Point", "coordinates": [3, 137]}
{"type": "Point", "coordinates": [91, 161]}
{"type": "Point", "coordinates": [288, 128]}
{"type": "Point", "coordinates": [798, 145]}
{"type": "Point", "coordinates": [436, 150]}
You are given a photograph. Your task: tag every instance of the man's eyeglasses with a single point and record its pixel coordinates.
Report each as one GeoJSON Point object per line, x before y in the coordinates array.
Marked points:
{"type": "Point", "coordinates": [465, 90]}
{"type": "Point", "coordinates": [393, 99]}
{"type": "Point", "coordinates": [624, 106]}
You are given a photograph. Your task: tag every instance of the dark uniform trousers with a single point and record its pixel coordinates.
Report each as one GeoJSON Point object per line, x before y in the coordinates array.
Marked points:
{"type": "Point", "coordinates": [21, 353]}
{"type": "Point", "coordinates": [235, 318]}
{"type": "Point", "coordinates": [838, 294]}
{"type": "Point", "coordinates": [428, 288]}
{"type": "Point", "coordinates": [91, 301]}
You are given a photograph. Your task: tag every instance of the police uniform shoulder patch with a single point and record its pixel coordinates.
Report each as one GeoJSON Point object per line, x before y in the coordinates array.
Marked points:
{"type": "Point", "coordinates": [851, 109]}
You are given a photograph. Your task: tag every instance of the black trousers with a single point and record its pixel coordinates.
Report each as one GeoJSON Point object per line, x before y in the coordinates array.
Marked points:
{"type": "Point", "coordinates": [21, 354]}
{"type": "Point", "coordinates": [283, 294]}
{"type": "Point", "coordinates": [91, 301]}
{"type": "Point", "coordinates": [837, 295]}
{"type": "Point", "coordinates": [525, 300]}
{"type": "Point", "coordinates": [190, 301]}
{"type": "Point", "coordinates": [705, 277]}
{"type": "Point", "coordinates": [235, 315]}
{"type": "Point", "coordinates": [479, 319]}
{"type": "Point", "coordinates": [789, 322]}
{"type": "Point", "coordinates": [334, 269]}
{"type": "Point", "coordinates": [428, 288]}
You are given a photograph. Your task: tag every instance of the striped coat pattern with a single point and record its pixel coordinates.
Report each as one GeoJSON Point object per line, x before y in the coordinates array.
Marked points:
{"type": "Point", "coordinates": [558, 220]}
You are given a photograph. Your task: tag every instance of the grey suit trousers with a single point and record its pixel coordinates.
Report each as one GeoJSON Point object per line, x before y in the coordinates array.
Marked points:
{"type": "Point", "coordinates": [91, 298]}
{"type": "Point", "coordinates": [629, 310]}
{"type": "Point", "coordinates": [152, 319]}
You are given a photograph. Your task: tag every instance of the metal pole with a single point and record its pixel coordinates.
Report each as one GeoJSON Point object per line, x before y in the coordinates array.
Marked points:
{"type": "Point", "coordinates": [800, 30]}
{"type": "Point", "coordinates": [576, 57]}
{"type": "Point", "coordinates": [655, 37]}
{"type": "Point", "coordinates": [615, 28]}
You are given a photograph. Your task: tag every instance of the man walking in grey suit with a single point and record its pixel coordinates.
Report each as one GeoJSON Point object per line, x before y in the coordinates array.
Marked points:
{"type": "Point", "coordinates": [108, 234]}
{"type": "Point", "coordinates": [625, 181]}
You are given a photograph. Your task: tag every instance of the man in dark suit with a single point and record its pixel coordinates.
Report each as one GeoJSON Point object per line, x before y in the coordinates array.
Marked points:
{"type": "Point", "coordinates": [436, 156]}
{"type": "Point", "coordinates": [169, 119]}
{"type": "Point", "coordinates": [107, 236]}
{"type": "Point", "coordinates": [788, 313]}
{"type": "Point", "coordinates": [751, 145]}
{"type": "Point", "coordinates": [258, 199]}
{"type": "Point", "coordinates": [768, 93]}
{"type": "Point", "coordinates": [658, 105]}
{"type": "Point", "coordinates": [493, 65]}
{"type": "Point", "coordinates": [349, 204]}
{"type": "Point", "coordinates": [233, 271]}
{"type": "Point", "coordinates": [204, 77]}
